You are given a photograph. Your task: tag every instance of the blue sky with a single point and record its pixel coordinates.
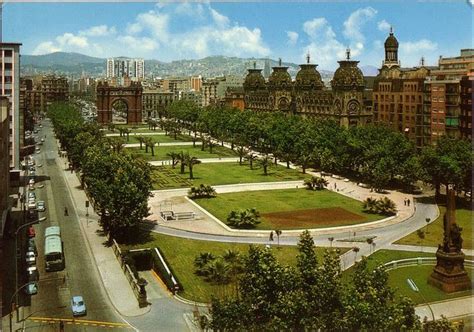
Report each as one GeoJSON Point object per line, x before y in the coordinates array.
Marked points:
{"type": "Point", "coordinates": [175, 31]}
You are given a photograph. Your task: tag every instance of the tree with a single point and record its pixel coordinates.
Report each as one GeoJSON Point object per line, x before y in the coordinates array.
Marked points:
{"type": "Point", "coordinates": [370, 205]}
{"type": "Point", "coordinates": [116, 143]}
{"type": "Point", "coordinates": [174, 156]}
{"type": "Point", "coordinates": [265, 162]}
{"type": "Point", "coordinates": [278, 233]}
{"type": "Point", "coordinates": [141, 139]}
{"type": "Point", "coordinates": [386, 206]}
{"type": "Point", "coordinates": [251, 157]}
{"type": "Point", "coordinates": [355, 250]}
{"type": "Point", "coordinates": [248, 218]}
{"type": "Point", "coordinates": [126, 131]}
{"type": "Point", "coordinates": [203, 191]}
{"type": "Point", "coordinates": [111, 127]}
{"type": "Point", "coordinates": [316, 183]}
{"type": "Point", "coordinates": [149, 143]}
{"type": "Point", "coordinates": [241, 151]}
{"type": "Point", "coordinates": [191, 162]}
{"type": "Point", "coordinates": [183, 158]}
{"type": "Point", "coordinates": [331, 239]}
{"type": "Point", "coordinates": [201, 262]}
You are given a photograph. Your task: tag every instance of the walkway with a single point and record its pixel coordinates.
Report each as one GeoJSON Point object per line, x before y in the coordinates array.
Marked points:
{"type": "Point", "coordinates": [452, 309]}
{"type": "Point", "coordinates": [136, 134]}
{"type": "Point", "coordinates": [203, 160]}
{"type": "Point", "coordinates": [137, 145]}
{"type": "Point", "coordinates": [404, 247]}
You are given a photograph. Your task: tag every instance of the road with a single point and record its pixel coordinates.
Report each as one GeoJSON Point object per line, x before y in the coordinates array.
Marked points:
{"type": "Point", "coordinates": [80, 277]}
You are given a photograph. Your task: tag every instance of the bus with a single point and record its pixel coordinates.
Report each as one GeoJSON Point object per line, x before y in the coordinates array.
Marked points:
{"type": "Point", "coordinates": [53, 249]}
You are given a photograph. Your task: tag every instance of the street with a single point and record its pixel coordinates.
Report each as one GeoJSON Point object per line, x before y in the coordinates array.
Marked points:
{"type": "Point", "coordinates": [80, 276]}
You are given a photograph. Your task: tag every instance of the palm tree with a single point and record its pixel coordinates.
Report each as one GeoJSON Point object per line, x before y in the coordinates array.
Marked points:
{"type": "Point", "coordinates": [386, 206]}
{"type": "Point", "coordinates": [201, 262]}
{"type": "Point", "coordinates": [218, 271]}
{"type": "Point", "coordinates": [320, 183]}
{"type": "Point", "coordinates": [141, 139]}
{"type": "Point", "coordinates": [174, 156]}
{"type": "Point", "coordinates": [370, 205]}
{"type": "Point", "coordinates": [369, 242]}
{"type": "Point", "coordinates": [191, 161]}
{"type": "Point", "coordinates": [243, 219]}
{"type": "Point", "coordinates": [265, 162]}
{"type": "Point", "coordinates": [251, 157]}
{"type": "Point", "coordinates": [183, 157]}
{"type": "Point", "coordinates": [304, 160]}
{"type": "Point", "coordinates": [210, 143]}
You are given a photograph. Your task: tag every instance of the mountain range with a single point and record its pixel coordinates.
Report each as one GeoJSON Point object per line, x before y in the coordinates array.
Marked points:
{"type": "Point", "coordinates": [75, 64]}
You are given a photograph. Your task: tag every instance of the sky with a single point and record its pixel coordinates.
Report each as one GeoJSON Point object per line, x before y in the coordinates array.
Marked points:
{"type": "Point", "coordinates": [287, 30]}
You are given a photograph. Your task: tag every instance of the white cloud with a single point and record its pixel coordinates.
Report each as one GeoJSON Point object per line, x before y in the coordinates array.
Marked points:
{"type": "Point", "coordinates": [98, 31]}
{"type": "Point", "coordinates": [154, 22]}
{"type": "Point", "coordinates": [383, 26]}
{"type": "Point", "coordinates": [417, 46]}
{"type": "Point", "coordinates": [133, 28]}
{"type": "Point", "coordinates": [45, 48]}
{"type": "Point", "coordinates": [219, 19]}
{"type": "Point", "coordinates": [319, 28]}
{"type": "Point", "coordinates": [69, 39]}
{"type": "Point", "coordinates": [143, 43]}
{"type": "Point", "coordinates": [292, 37]}
{"type": "Point", "coordinates": [355, 21]}
{"type": "Point", "coordinates": [323, 46]}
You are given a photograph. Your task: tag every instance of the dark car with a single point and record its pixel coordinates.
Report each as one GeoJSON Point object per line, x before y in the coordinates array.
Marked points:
{"type": "Point", "coordinates": [31, 232]}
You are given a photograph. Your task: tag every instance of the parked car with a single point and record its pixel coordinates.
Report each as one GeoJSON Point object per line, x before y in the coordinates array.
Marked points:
{"type": "Point", "coordinates": [31, 187]}
{"type": "Point", "coordinates": [42, 140]}
{"type": "Point", "coordinates": [32, 288]}
{"type": "Point", "coordinates": [31, 204]}
{"type": "Point", "coordinates": [30, 258]}
{"type": "Point", "coordinates": [31, 232]}
{"type": "Point", "coordinates": [31, 195]}
{"type": "Point", "coordinates": [40, 206]}
{"type": "Point", "coordinates": [78, 306]}
{"type": "Point", "coordinates": [32, 246]}
{"type": "Point", "coordinates": [33, 274]}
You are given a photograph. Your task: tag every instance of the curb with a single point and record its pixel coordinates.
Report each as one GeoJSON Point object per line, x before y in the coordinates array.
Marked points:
{"type": "Point", "coordinates": [189, 302]}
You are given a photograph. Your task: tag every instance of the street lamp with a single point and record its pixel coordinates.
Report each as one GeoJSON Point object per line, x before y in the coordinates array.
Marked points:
{"type": "Point", "coordinates": [16, 250]}
{"type": "Point", "coordinates": [415, 288]}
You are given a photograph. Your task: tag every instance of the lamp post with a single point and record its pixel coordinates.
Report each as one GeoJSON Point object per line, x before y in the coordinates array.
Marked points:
{"type": "Point", "coordinates": [415, 288]}
{"type": "Point", "coordinates": [16, 250]}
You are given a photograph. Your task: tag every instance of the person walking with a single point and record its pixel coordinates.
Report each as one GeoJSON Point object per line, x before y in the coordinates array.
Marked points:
{"type": "Point", "coordinates": [271, 236]}
{"type": "Point", "coordinates": [408, 202]}
{"type": "Point", "coordinates": [65, 211]}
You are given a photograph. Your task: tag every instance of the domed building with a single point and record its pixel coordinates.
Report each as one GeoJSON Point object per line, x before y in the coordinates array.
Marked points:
{"type": "Point", "coordinates": [307, 96]}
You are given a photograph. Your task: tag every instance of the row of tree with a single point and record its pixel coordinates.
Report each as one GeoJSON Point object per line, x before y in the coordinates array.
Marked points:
{"type": "Point", "coordinates": [309, 297]}
{"type": "Point", "coordinates": [376, 154]}
{"type": "Point", "coordinates": [118, 184]}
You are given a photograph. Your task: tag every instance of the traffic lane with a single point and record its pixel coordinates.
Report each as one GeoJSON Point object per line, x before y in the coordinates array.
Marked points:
{"type": "Point", "coordinates": [82, 275]}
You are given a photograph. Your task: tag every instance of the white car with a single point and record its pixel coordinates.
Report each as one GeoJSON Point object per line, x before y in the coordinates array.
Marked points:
{"type": "Point", "coordinates": [42, 140]}
{"type": "Point", "coordinates": [32, 181]}
{"type": "Point", "coordinates": [40, 207]}
{"type": "Point", "coordinates": [32, 288]}
{"type": "Point", "coordinates": [31, 195]}
{"type": "Point", "coordinates": [78, 306]}
{"type": "Point", "coordinates": [31, 204]}
{"type": "Point", "coordinates": [30, 258]}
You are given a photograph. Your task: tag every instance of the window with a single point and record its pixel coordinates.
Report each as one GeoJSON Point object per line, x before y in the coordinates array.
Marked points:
{"type": "Point", "coordinates": [8, 53]}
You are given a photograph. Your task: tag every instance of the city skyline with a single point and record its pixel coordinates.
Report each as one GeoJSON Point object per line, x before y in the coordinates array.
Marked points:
{"type": "Point", "coordinates": [289, 31]}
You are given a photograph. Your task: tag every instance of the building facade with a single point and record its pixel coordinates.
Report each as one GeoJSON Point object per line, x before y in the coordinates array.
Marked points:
{"type": "Point", "coordinates": [214, 89]}
{"type": "Point", "coordinates": [155, 102]}
{"type": "Point", "coordinates": [465, 117]}
{"type": "Point", "coordinates": [398, 95]}
{"type": "Point", "coordinates": [121, 67]}
{"type": "Point", "coordinates": [4, 161]}
{"type": "Point", "coordinates": [307, 96]}
{"type": "Point", "coordinates": [10, 87]}
{"type": "Point", "coordinates": [443, 95]}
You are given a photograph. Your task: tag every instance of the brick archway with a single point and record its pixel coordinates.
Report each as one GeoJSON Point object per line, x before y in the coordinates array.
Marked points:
{"type": "Point", "coordinates": [131, 95]}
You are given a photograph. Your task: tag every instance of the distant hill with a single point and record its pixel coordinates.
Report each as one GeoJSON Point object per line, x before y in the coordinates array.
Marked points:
{"type": "Point", "coordinates": [75, 64]}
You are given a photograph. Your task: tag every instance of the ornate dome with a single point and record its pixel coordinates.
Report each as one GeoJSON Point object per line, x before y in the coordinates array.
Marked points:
{"type": "Point", "coordinates": [348, 76]}
{"type": "Point", "coordinates": [309, 77]}
{"type": "Point", "coordinates": [279, 77]}
{"type": "Point", "coordinates": [254, 79]}
{"type": "Point", "coordinates": [391, 41]}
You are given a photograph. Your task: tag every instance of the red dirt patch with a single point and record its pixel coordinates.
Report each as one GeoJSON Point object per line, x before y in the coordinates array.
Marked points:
{"type": "Point", "coordinates": [325, 217]}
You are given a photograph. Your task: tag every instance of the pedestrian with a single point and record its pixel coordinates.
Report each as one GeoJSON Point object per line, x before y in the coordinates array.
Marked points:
{"type": "Point", "coordinates": [408, 202]}
{"type": "Point", "coordinates": [271, 236]}
{"type": "Point", "coordinates": [335, 186]}
{"type": "Point", "coordinates": [61, 326]}
{"type": "Point", "coordinates": [405, 202]}
{"type": "Point", "coordinates": [65, 211]}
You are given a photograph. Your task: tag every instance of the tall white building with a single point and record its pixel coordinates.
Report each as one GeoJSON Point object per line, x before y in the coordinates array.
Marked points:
{"type": "Point", "coordinates": [121, 67]}
{"type": "Point", "coordinates": [10, 88]}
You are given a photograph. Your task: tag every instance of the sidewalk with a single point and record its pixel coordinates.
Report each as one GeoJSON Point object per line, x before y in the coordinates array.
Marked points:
{"type": "Point", "coordinates": [203, 160]}
{"type": "Point", "coordinates": [451, 309]}
{"type": "Point", "coordinates": [404, 247]}
{"type": "Point", "coordinates": [136, 145]}
{"type": "Point", "coordinates": [115, 283]}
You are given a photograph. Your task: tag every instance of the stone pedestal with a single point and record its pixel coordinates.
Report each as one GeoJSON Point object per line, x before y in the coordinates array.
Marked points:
{"type": "Point", "coordinates": [449, 274]}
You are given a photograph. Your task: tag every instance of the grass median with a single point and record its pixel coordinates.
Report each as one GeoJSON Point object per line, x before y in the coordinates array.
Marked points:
{"type": "Point", "coordinates": [162, 151]}
{"type": "Point", "coordinates": [292, 208]}
{"type": "Point", "coordinates": [181, 252]}
{"type": "Point", "coordinates": [433, 232]}
{"type": "Point", "coordinates": [219, 174]}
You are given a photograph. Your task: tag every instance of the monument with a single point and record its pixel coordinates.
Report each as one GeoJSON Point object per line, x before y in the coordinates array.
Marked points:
{"type": "Point", "coordinates": [449, 274]}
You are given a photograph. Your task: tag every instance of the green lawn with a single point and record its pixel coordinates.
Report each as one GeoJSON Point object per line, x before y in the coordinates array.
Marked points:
{"type": "Point", "coordinates": [160, 138]}
{"type": "Point", "coordinates": [161, 151]}
{"type": "Point", "coordinates": [398, 277]}
{"type": "Point", "coordinates": [434, 231]}
{"type": "Point", "coordinates": [267, 201]}
{"type": "Point", "coordinates": [220, 173]}
{"type": "Point", "coordinates": [180, 254]}
{"type": "Point", "coordinates": [420, 274]}
{"type": "Point", "coordinates": [141, 129]}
